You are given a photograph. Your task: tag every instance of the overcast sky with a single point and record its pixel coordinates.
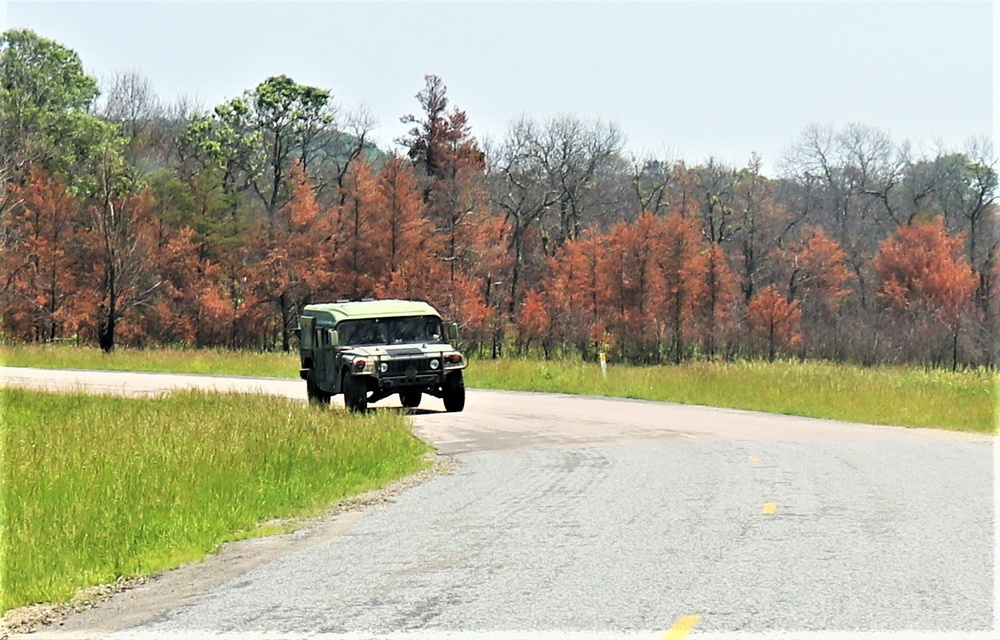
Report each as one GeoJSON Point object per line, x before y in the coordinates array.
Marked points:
{"type": "Point", "coordinates": [683, 79]}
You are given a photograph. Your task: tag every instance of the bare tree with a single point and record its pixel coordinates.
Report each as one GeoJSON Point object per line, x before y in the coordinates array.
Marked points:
{"type": "Point", "coordinates": [978, 202]}
{"type": "Point", "coordinates": [577, 159]}
{"type": "Point", "coordinates": [717, 189]}
{"type": "Point", "coordinates": [132, 104]}
{"type": "Point", "coordinates": [650, 180]}
{"type": "Point", "coordinates": [852, 176]}
{"type": "Point", "coordinates": [514, 169]}
{"type": "Point", "coordinates": [177, 117]}
{"type": "Point", "coordinates": [342, 146]}
{"type": "Point", "coordinates": [762, 224]}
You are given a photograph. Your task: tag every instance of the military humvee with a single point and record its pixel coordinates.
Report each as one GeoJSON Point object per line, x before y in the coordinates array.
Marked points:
{"type": "Point", "coordinates": [371, 349]}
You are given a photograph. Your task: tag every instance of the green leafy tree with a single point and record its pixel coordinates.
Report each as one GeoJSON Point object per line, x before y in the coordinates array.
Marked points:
{"type": "Point", "coordinates": [288, 117]}
{"type": "Point", "coordinates": [44, 101]}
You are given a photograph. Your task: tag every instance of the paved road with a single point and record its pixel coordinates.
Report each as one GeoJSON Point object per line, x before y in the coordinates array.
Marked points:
{"type": "Point", "coordinates": [582, 518]}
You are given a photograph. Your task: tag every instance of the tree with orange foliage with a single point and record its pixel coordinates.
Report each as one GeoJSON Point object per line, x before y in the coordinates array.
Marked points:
{"type": "Point", "coordinates": [172, 317]}
{"type": "Point", "coordinates": [819, 281]}
{"type": "Point", "coordinates": [192, 306]}
{"type": "Point", "coordinates": [534, 320]}
{"type": "Point", "coordinates": [715, 300]}
{"type": "Point", "coordinates": [775, 319]}
{"type": "Point", "coordinates": [357, 266]}
{"type": "Point", "coordinates": [925, 275]}
{"type": "Point", "coordinates": [489, 265]}
{"type": "Point", "coordinates": [631, 283]}
{"type": "Point", "coordinates": [451, 167]}
{"type": "Point", "coordinates": [820, 271]}
{"type": "Point", "coordinates": [405, 235]}
{"type": "Point", "coordinates": [39, 274]}
{"type": "Point", "coordinates": [683, 267]}
{"type": "Point", "coordinates": [440, 143]}
{"type": "Point", "coordinates": [573, 288]}
{"type": "Point", "coordinates": [292, 264]}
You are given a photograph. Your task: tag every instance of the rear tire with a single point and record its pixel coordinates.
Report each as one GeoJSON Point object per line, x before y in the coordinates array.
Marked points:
{"type": "Point", "coordinates": [316, 396]}
{"type": "Point", "coordinates": [355, 393]}
{"type": "Point", "coordinates": [410, 399]}
{"type": "Point", "coordinates": [453, 392]}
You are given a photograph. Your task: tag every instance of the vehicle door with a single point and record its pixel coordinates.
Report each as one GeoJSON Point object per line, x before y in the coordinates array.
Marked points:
{"type": "Point", "coordinates": [321, 350]}
{"type": "Point", "coordinates": [328, 359]}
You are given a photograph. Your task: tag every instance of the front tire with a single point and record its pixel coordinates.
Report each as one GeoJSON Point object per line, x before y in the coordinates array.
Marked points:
{"type": "Point", "coordinates": [410, 399]}
{"type": "Point", "coordinates": [453, 392]}
{"type": "Point", "coordinates": [355, 394]}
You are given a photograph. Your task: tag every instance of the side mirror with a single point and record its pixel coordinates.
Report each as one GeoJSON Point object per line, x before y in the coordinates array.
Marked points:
{"type": "Point", "coordinates": [334, 337]}
{"type": "Point", "coordinates": [452, 331]}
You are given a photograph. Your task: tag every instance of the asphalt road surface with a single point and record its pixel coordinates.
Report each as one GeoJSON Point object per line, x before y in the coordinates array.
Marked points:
{"type": "Point", "coordinates": [570, 517]}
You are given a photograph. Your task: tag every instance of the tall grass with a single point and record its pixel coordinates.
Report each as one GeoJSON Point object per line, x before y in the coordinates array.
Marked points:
{"type": "Point", "coordinates": [203, 361]}
{"type": "Point", "coordinates": [98, 487]}
{"type": "Point", "coordinates": [905, 396]}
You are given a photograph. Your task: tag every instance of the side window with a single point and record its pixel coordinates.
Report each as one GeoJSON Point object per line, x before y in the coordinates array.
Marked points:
{"type": "Point", "coordinates": [306, 334]}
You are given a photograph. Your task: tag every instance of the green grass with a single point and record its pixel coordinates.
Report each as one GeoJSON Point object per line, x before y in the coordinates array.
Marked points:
{"type": "Point", "coordinates": [98, 487]}
{"type": "Point", "coordinates": [905, 396]}
{"type": "Point", "coordinates": [203, 361]}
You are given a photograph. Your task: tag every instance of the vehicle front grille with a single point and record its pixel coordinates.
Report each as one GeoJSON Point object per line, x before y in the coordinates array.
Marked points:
{"type": "Point", "coordinates": [400, 367]}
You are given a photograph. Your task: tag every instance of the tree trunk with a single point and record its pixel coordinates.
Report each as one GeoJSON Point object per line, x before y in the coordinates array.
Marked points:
{"type": "Point", "coordinates": [954, 349]}
{"type": "Point", "coordinates": [770, 342]}
{"type": "Point", "coordinates": [106, 329]}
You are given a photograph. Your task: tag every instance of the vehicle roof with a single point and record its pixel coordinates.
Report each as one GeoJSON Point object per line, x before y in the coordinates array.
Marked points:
{"type": "Point", "coordinates": [334, 312]}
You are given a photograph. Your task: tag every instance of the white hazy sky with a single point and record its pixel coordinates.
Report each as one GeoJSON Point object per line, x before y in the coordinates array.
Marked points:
{"type": "Point", "coordinates": [683, 79]}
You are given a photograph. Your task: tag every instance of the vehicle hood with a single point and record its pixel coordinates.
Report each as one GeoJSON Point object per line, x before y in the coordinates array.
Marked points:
{"type": "Point", "coordinates": [399, 351]}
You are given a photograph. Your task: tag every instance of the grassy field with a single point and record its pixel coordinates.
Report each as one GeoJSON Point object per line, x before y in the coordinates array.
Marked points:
{"type": "Point", "coordinates": [907, 396]}
{"type": "Point", "coordinates": [204, 361]}
{"type": "Point", "coordinates": [100, 487]}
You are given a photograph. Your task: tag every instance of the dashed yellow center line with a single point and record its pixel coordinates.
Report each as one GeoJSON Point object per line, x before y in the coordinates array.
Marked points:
{"type": "Point", "coordinates": [682, 628]}
{"type": "Point", "coordinates": [769, 508]}
{"type": "Point", "coordinates": [753, 458]}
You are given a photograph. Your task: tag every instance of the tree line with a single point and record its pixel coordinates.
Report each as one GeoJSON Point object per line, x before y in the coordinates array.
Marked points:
{"type": "Point", "coordinates": [127, 221]}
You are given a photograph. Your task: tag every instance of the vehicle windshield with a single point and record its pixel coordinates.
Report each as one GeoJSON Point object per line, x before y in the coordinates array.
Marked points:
{"type": "Point", "coordinates": [391, 330]}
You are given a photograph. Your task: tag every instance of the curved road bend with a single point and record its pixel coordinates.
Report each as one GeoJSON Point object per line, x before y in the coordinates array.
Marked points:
{"type": "Point", "coordinates": [572, 517]}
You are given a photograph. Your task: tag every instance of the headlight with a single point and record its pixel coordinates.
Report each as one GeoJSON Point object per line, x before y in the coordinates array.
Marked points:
{"type": "Point", "coordinates": [435, 364]}
{"type": "Point", "coordinates": [384, 367]}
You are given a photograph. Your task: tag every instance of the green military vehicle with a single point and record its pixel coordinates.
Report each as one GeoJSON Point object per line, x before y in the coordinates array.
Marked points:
{"type": "Point", "coordinates": [371, 349]}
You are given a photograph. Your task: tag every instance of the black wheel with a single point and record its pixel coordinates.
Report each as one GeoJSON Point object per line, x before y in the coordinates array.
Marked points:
{"type": "Point", "coordinates": [410, 399]}
{"type": "Point", "coordinates": [315, 395]}
{"type": "Point", "coordinates": [355, 393]}
{"type": "Point", "coordinates": [453, 392]}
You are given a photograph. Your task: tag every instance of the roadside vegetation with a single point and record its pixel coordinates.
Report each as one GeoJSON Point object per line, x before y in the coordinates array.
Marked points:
{"type": "Point", "coordinates": [99, 487]}
{"type": "Point", "coordinates": [905, 396]}
{"type": "Point", "coordinates": [965, 400]}
{"type": "Point", "coordinates": [222, 362]}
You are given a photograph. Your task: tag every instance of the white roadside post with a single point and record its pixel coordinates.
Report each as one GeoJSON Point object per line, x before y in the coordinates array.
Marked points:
{"type": "Point", "coordinates": [604, 365]}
